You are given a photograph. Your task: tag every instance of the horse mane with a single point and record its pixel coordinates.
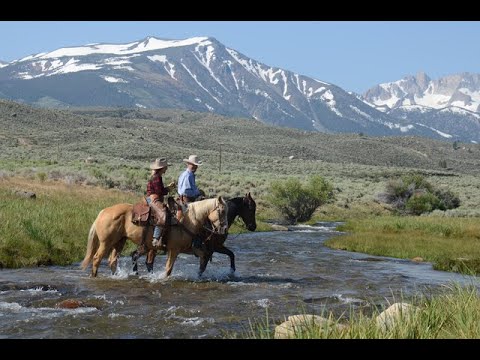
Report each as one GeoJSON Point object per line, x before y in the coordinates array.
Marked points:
{"type": "Point", "coordinates": [236, 200]}
{"type": "Point", "coordinates": [202, 205]}
{"type": "Point", "coordinates": [197, 207]}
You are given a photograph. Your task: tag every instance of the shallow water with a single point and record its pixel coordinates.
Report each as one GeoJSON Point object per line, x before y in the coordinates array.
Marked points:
{"type": "Point", "coordinates": [283, 273]}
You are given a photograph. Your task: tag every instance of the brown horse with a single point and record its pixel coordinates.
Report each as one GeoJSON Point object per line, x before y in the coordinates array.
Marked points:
{"type": "Point", "coordinates": [243, 207]}
{"type": "Point", "coordinates": [113, 226]}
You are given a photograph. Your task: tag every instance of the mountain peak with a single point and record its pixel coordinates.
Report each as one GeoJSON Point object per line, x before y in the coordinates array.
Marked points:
{"type": "Point", "coordinates": [422, 79]}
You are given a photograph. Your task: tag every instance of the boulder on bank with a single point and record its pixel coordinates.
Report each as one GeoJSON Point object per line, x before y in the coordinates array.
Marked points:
{"type": "Point", "coordinates": [301, 324]}
{"type": "Point", "coordinates": [69, 304]}
{"type": "Point", "coordinates": [276, 227]}
{"type": "Point", "coordinates": [26, 194]}
{"type": "Point", "coordinates": [395, 313]}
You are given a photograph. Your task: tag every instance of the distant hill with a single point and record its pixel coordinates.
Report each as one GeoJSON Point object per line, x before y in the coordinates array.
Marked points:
{"type": "Point", "coordinates": [138, 135]}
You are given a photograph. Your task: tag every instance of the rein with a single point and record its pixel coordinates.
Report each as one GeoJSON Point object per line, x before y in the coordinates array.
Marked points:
{"type": "Point", "coordinates": [214, 231]}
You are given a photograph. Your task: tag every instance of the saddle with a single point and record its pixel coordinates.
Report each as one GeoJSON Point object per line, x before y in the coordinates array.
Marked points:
{"type": "Point", "coordinates": [155, 214]}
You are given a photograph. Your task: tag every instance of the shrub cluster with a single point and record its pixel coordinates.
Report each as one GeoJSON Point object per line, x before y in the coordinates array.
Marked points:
{"type": "Point", "coordinates": [412, 194]}
{"type": "Point", "coordinates": [296, 201]}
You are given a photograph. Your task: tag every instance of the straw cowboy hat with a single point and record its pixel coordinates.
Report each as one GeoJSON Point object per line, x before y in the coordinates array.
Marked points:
{"type": "Point", "coordinates": [159, 164]}
{"type": "Point", "coordinates": [193, 159]}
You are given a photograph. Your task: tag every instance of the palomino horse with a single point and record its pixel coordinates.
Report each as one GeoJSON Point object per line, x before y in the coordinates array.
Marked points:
{"type": "Point", "coordinates": [245, 208]}
{"type": "Point", "coordinates": [114, 226]}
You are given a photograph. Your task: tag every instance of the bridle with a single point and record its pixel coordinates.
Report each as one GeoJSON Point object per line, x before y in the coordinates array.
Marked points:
{"type": "Point", "coordinates": [222, 226]}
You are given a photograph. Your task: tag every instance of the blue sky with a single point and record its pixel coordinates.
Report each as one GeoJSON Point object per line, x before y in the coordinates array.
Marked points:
{"type": "Point", "coordinates": [354, 55]}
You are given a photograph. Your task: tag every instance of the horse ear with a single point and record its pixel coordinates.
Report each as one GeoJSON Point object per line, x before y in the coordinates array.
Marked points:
{"type": "Point", "coordinates": [220, 199]}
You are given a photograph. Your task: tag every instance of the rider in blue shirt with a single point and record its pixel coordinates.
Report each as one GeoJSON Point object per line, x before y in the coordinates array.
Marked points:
{"type": "Point", "coordinates": [187, 189]}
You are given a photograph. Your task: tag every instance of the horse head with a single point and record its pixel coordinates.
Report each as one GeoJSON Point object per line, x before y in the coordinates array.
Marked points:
{"type": "Point", "coordinates": [247, 212]}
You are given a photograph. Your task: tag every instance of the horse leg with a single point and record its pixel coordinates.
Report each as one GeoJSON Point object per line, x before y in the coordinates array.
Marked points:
{"type": "Point", "coordinates": [97, 258]}
{"type": "Point", "coordinates": [112, 260]}
{"type": "Point", "coordinates": [150, 258]}
{"type": "Point", "coordinates": [115, 254]}
{"type": "Point", "coordinates": [136, 254]}
{"type": "Point", "coordinates": [172, 256]}
{"type": "Point", "coordinates": [203, 262]}
{"type": "Point", "coordinates": [224, 250]}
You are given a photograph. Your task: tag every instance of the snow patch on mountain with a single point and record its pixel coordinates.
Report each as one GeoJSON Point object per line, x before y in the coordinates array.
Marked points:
{"type": "Point", "coordinates": [119, 60]}
{"type": "Point", "coordinates": [74, 66]}
{"type": "Point", "coordinates": [149, 44]}
{"type": "Point", "coordinates": [358, 111]}
{"type": "Point", "coordinates": [402, 128]}
{"type": "Point", "coordinates": [165, 62]}
{"type": "Point", "coordinates": [437, 131]}
{"type": "Point", "coordinates": [460, 111]}
{"type": "Point", "coordinates": [112, 79]}
{"type": "Point", "coordinates": [199, 83]}
{"type": "Point", "coordinates": [419, 108]}
{"type": "Point", "coordinates": [330, 101]}
{"type": "Point", "coordinates": [207, 54]}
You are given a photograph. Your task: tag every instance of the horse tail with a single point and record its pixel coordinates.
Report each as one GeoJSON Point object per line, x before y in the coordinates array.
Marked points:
{"type": "Point", "coordinates": [92, 245]}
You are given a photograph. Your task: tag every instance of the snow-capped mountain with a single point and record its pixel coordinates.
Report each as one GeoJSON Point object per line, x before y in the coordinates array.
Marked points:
{"type": "Point", "coordinates": [198, 74]}
{"type": "Point", "coordinates": [450, 104]}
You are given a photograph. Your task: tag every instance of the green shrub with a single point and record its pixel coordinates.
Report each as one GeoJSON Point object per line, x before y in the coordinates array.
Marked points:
{"type": "Point", "coordinates": [421, 203]}
{"type": "Point", "coordinates": [297, 202]}
{"type": "Point", "coordinates": [448, 200]}
{"type": "Point", "coordinates": [413, 194]}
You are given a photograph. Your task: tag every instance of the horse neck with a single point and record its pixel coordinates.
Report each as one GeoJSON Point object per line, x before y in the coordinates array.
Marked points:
{"type": "Point", "coordinates": [198, 212]}
{"type": "Point", "coordinates": [233, 209]}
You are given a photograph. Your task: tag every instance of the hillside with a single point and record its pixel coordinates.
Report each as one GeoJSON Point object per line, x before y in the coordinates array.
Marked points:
{"type": "Point", "coordinates": [112, 148]}
{"type": "Point", "coordinates": [139, 135]}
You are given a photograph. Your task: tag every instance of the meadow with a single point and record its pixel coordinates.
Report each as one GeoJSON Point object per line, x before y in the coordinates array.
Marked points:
{"type": "Point", "coordinates": [83, 160]}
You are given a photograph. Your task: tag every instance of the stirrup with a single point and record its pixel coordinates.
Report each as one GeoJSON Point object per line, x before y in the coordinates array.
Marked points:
{"type": "Point", "coordinates": [156, 242]}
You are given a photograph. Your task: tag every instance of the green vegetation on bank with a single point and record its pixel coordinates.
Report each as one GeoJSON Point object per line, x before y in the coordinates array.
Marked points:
{"type": "Point", "coordinates": [451, 244]}
{"type": "Point", "coordinates": [454, 314]}
{"type": "Point", "coordinates": [53, 228]}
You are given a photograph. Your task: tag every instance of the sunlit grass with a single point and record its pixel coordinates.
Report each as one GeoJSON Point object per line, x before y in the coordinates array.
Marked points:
{"type": "Point", "coordinates": [451, 244]}
{"type": "Point", "coordinates": [453, 314]}
{"type": "Point", "coordinates": [53, 228]}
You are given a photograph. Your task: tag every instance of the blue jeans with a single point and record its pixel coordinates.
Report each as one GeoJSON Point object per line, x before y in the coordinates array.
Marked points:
{"type": "Point", "coordinates": [156, 230]}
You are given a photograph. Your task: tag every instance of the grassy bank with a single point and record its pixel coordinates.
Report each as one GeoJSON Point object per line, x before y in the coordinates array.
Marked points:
{"type": "Point", "coordinates": [454, 314]}
{"type": "Point", "coordinates": [53, 228]}
{"type": "Point", "coordinates": [451, 244]}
